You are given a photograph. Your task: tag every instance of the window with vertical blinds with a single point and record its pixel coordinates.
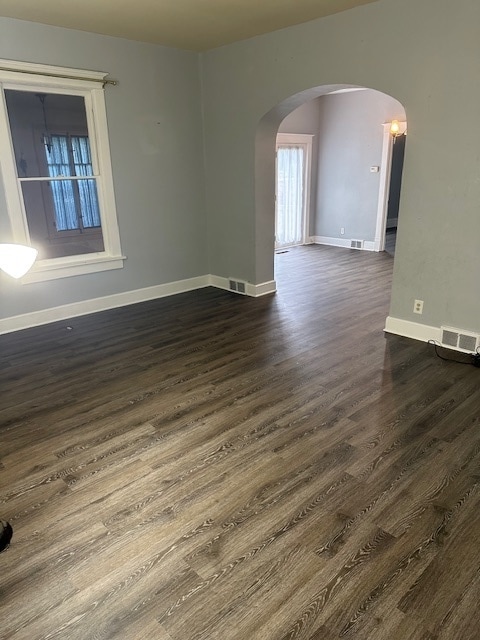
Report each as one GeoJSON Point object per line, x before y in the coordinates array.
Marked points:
{"type": "Point", "coordinates": [55, 163]}
{"type": "Point", "coordinates": [75, 201]}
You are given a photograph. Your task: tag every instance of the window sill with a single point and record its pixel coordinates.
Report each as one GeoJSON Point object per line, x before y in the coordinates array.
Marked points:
{"type": "Point", "coordinates": [75, 266]}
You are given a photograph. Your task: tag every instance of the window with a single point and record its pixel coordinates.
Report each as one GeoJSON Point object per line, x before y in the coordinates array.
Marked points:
{"type": "Point", "coordinates": [75, 201]}
{"type": "Point", "coordinates": [55, 163]}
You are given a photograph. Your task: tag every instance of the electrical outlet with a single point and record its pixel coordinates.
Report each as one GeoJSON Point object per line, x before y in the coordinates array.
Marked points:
{"type": "Point", "coordinates": [418, 306]}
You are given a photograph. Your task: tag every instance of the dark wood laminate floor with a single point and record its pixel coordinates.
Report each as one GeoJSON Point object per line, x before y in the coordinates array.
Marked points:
{"type": "Point", "coordinates": [211, 466]}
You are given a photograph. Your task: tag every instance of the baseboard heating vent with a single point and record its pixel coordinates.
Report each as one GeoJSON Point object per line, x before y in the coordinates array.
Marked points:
{"type": "Point", "coordinates": [356, 244]}
{"type": "Point", "coordinates": [237, 285]}
{"type": "Point", "coordinates": [460, 340]}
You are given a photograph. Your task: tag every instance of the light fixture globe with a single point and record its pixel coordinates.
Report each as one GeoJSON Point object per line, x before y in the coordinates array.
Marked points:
{"type": "Point", "coordinates": [16, 259]}
{"type": "Point", "coordinates": [395, 128]}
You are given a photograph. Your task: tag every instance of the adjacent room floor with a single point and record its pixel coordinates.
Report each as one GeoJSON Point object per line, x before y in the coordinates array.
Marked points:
{"type": "Point", "coordinates": [211, 466]}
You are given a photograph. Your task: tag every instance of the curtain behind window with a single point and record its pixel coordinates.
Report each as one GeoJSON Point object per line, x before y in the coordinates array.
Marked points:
{"type": "Point", "coordinates": [75, 201]}
{"type": "Point", "coordinates": [290, 187]}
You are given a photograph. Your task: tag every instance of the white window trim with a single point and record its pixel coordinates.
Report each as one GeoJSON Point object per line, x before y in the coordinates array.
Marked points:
{"type": "Point", "coordinates": [53, 268]}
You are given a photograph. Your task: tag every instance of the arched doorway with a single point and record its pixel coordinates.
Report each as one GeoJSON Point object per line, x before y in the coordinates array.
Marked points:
{"type": "Point", "coordinates": [351, 165]}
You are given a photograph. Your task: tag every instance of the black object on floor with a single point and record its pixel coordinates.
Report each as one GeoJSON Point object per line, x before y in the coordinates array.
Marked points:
{"type": "Point", "coordinates": [6, 533]}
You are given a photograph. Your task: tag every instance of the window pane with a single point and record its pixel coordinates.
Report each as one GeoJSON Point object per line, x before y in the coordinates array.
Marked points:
{"type": "Point", "coordinates": [57, 156]}
{"type": "Point", "coordinates": [61, 217]}
{"type": "Point", "coordinates": [64, 205]}
{"type": "Point", "coordinates": [76, 203]}
{"type": "Point", "coordinates": [36, 119]}
{"type": "Point", "coordinates": [89, 203]}
{"type": "Point", "coordinates": [82, 158]}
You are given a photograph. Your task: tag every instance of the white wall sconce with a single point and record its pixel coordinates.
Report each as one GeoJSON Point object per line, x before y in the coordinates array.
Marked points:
{"type": "Point", "coordinates": [16, 259]}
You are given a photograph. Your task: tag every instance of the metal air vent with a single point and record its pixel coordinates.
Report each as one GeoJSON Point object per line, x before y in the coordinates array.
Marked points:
{"type": "Point", "coordinates": [237, 285]}
{"type": "Point", "coordinates": [356, 244]}
{"type": "Point", "coordinates": [460, 340]}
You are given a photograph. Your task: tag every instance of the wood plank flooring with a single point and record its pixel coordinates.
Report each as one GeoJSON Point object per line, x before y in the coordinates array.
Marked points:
{"type": "Point", "coordinates": [214, 467]}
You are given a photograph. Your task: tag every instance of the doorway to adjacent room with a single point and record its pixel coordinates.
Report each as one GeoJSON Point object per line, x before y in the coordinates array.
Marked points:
{"type": "Point", "coordinates": [292, 189]}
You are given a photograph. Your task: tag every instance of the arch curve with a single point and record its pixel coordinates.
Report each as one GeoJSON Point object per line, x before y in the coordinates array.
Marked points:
{"type": "Point", "coordinates": [265, 140]}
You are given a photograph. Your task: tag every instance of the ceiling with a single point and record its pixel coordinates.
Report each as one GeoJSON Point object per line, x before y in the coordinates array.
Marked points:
{"type": "Point", "coordinates": [187, 24]}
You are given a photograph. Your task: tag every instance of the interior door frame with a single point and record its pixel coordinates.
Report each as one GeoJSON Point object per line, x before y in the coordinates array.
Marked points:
{"type": "Point", "coordinates": [306, 141]}
{"type": "Point", "coordinates": [384, 188]}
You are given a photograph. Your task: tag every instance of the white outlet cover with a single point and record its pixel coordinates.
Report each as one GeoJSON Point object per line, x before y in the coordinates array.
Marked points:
{"type": "Point", "coordinates": [418, 306]}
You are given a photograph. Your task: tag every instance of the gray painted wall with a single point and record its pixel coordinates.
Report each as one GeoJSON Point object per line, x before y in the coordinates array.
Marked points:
{"type": "Point", "coordinates": [155, 127]}
{"type": "Point", "coordinates": [351, 135]}
{"type": "Point", "coordinates": [348, 139]}
{"type": "Point", "coordinates": [429, 61]}
{"type": "Point", "coordinates": [248, 89]}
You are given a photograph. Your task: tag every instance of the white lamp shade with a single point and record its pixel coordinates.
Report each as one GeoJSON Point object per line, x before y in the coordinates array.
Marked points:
{"type": "Point", "coordinates": [16, 259]}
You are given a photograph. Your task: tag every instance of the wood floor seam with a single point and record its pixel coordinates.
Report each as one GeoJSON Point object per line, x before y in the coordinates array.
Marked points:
{"type": "Point", "coordinates": [216, 467]}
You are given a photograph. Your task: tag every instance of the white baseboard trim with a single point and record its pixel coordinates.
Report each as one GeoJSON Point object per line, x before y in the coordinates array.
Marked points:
{"type": "Point", "coordinates": [343, 242]}
{"type": "Point", "coordinates": [332, 242]}
{"type": "Point", "coordinates": [252, 290]}
{"type": "Point", "coordinates": [408, 329]}
{"type": "Point", "coordinates": [84, 307]}
{"type": "Point", "coordinates": [263, 289]}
